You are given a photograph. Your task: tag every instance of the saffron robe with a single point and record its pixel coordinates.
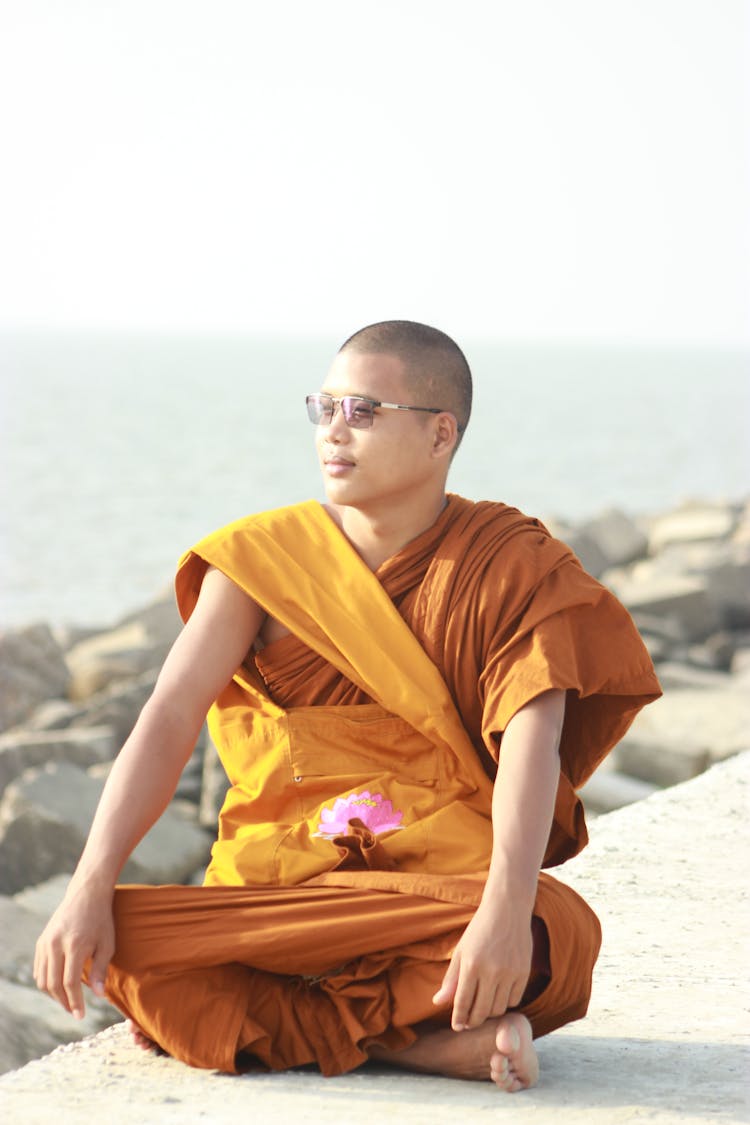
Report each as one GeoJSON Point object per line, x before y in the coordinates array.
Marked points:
{"type": "Point", "coordinates": [360, 750]}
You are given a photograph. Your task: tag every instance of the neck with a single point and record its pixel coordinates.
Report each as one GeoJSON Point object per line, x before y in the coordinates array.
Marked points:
{"type": "Point", "coordinates": [379, 535]}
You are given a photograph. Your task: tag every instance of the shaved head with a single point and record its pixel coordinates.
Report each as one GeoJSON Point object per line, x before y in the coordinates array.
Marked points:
{"type": "Point", "coordinates": [436, 370]}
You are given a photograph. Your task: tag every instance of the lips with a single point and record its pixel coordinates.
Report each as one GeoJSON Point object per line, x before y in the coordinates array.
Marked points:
{"type": "Point", "coordinates": [337, 466]}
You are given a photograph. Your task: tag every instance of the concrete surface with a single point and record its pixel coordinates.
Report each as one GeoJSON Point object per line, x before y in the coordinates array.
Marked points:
{"type": "Point", "coordinates": [666, 1039]}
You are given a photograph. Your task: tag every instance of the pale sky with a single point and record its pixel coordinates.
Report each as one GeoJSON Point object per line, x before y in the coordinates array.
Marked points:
{"type": "Point", "coordinates": [525, 169]}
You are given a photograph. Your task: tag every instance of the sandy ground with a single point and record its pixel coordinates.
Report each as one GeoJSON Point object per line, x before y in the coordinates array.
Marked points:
{"type": "Point", "coordinates": [666, 1038]}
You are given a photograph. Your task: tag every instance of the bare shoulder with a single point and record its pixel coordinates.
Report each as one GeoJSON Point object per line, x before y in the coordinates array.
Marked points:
{"type": "Point", "coordinates": [224, 598]}
{"type": "Point", "coordinates": [225, 607]}
{"type": "Point", "coordinates": [218, 586]}
{"type": "Point", "coordinates": [214, 641]}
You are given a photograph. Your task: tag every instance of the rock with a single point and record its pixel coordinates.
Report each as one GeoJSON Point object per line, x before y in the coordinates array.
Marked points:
{"type": "Point", "coordinates": [741, 659]}
{"type": "Point", "coordinates": [705, 717]}
{"type": "Point", "coordinates": [658, 628]}
{"type": "Point", "coordinates": [32, 1024]}
{"type": "Point", "coordinates": [32, 669]}
{"type": "Point", "coordinates": [694, 522]}
{"type": "Point", "coordinates": [190, 785]}
{"type": "Point", "coordinates": [44, 898]}
{"type": "Point", "coordinates": [184, 808]}
{"type": "Point", "coordinates": [607, 789]}
{"type": "Point", "coordinates": [138, 644]}
{"type": "Point", "coordinates": [22, 750]}
{"type": "Point", "coordinates": [54, 714]}
{"type": "Point", "coordinates": [123, 653]}
{"type": "Point", "coordinates": [585, 548]}
{"type": "Point", "coordinates": [189, 789]}
{"type": "Point", "coordinates": [684, 602]}
{"type": "Point", "coordinates": [641, 758]}
{"type": "Point", "coordinates": [20, 928]}
{"type": "Point", "coordinates": [658, 648]}
{"type": "Point", "coordinates": [173, 849]}
{"type": "Point", "coordinates": [119, 705]}
{"type": "Point", "coordinates": [728, 586]}
{"type": "Point", "coordinates": [160, 620]}
{"type": "Point", "coordinates": [45, 817]}
{"type": "Point", "coordinates": [722, 570]}
{"type": "Point", "coordinates": [675, 674]}
{"type": "Point", "coordinates": [717, 652]}
{"type": "Point", "coordinates": [68, 635]}
{"type": "Point", "coordinates": [617, 537]}
{"type": "Point", "coordinates": [214, 788]}
{"type": "Point", "coordinates": [742, 531]}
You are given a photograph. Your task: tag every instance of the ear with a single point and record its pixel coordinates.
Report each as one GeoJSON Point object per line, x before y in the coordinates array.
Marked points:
{"type": "Point", "coordinates": [445, 435]}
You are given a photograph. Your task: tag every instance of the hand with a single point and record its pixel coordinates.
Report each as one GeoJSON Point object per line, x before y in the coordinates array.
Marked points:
{"type": "Point", "coordinates": [490, 966]}
{"type": "Point", "coordinates": [81, 928]}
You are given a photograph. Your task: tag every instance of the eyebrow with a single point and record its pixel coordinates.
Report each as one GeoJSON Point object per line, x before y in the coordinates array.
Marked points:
{"type": "Point", "coordinates": [351, 394]}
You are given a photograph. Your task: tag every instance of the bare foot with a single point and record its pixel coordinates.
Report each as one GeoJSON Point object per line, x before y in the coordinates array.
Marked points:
{"type": "Point", "coordinates": [142, 1040]}
{"type": "Point", "coordinates": [514, 1065]}
{"type": "Point", "coordinates": [501, 1050]}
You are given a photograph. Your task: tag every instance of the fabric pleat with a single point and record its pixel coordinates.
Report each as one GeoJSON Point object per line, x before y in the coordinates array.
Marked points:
{"type": "Point", "coordinates": [224, 977]}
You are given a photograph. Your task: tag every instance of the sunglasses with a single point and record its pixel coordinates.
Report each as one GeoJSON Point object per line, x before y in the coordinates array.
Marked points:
{"type": "Point", "coordinates": [358, 412]}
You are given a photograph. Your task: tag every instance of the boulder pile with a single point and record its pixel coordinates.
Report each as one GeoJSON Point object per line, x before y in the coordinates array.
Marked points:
{"type": "Point", "coordinates": [69, 698]}
{"type": "Point", "coordinates": [685, 578]}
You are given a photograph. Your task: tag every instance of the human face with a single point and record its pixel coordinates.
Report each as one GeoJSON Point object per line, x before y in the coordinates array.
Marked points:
{"type": "Point", "coordinates": [387, 463]}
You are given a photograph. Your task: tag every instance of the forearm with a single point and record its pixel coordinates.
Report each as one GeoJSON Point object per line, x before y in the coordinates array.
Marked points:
{"type": "Point", "coordinates": [490, 966]}
{"type": "Point", "coordinates": [524, 798]}
{"type": "Point", "coordinates": [200, 664]}
{"type": "Point", "coordinates": [143, 779]}
{"type": "Point", "coordinates": [140, 785]}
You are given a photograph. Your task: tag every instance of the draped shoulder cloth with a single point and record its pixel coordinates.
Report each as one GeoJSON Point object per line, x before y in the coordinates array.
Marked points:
{"type": "Point", "coordinates": [401, 783]}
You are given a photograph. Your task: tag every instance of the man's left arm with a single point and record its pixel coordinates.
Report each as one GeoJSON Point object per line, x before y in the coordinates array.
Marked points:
{"type": "Point", "coordinates": [490, 967]}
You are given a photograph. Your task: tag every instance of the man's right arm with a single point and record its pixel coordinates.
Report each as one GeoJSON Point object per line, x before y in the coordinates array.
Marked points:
{"type": "Point", "coordinates": [141, 783]}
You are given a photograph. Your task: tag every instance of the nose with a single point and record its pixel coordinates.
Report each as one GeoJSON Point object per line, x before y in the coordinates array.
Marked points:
{"type": "Point", "coordinates": [337, 429]}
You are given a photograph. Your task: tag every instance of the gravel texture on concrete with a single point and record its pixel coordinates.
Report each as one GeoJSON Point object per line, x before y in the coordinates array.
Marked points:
{"type": "Point", "coordinates": [666, 1038]}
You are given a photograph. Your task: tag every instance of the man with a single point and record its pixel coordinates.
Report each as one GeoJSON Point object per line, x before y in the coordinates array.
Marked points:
{"type": "Point", "coordinates": [405, 689]}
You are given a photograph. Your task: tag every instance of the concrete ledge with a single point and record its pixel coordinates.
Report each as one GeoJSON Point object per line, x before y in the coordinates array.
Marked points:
{"type": "Point", "coordinates": [666, 1039]}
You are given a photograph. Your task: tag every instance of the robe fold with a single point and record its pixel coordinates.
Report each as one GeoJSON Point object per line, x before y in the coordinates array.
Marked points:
{"type": "Point", "coordinates": [356, 835]}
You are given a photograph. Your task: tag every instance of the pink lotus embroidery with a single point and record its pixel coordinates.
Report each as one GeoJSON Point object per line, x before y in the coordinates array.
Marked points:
{"type": "Point", "coordinates": [375, 812]}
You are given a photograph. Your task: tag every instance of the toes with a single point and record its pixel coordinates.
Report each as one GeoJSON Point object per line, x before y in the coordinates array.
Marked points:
{"type": "Point", "coordinates": [505, 1081]}
{"type": "Point", "coordinates": [140, 1039]}
{"type": "Point", "coordinates": [514, 1064]}
{"type": "Point", "coordinates": [503, 1075]}
{"type": "Point", "coordinates": [500, 1070]}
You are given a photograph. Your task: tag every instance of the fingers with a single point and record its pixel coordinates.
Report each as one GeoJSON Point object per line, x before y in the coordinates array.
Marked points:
{"type": "Point", "coordinates": [486, 976]}
{"type": "Point", "coordinates": [48, 970]}
{"type": "Point", "coordinates": [74, 989]}
{"type": "Point", "coordinates": [490, 999]}
{"type": "Point", "coordinates": [479, 995]}
{"type": "Point", "coordinates": [98, 971]}
{"type": "Point", "coordinates": [57, 971]}
{"type": "Point", "coordinates": [477, 999]}
{"type": "Point", "coordinates": [516, 993]}
{"type": "Point", "coordinates": [464, 1002]}
{"type": "Point", "coordinates": [447, 989]}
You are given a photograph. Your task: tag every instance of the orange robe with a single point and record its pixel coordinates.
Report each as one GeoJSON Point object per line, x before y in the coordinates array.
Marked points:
{"type": "Point", "coordinates": [355, 839]}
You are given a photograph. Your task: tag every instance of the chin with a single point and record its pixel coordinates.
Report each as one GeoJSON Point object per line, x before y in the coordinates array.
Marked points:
{"type": "Point", "coordinates": [336, 490]}
{"type": "Point", "coordinates": [343, 495]}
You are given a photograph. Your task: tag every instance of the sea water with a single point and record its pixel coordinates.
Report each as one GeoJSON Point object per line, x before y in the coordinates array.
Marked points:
{"type": "Point", "coordinates": [117, 453]}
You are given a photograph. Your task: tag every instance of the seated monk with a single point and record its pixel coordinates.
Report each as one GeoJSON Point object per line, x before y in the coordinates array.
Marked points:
{"type": "Point", "coordinates": [406, 689]}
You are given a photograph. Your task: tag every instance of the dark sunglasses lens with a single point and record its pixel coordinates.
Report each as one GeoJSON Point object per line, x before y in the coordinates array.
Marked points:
{"type": "Point", "coordinates": [319, 408]}
{"type": "Point", "coordinates": [357, 412]}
